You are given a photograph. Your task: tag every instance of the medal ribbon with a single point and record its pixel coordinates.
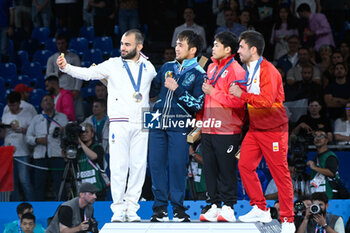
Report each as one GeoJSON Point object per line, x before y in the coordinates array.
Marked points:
{"type": "Point", "coordinates": [136, 86]}
{"type": "Point", "coordinates": [244, 81]}
{"type": "Point", "coordinates": [222, 71]}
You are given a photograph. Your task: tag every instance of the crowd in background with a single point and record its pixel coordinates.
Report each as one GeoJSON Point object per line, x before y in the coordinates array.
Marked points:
{"type": "Point", "coordinates": [307, 41]}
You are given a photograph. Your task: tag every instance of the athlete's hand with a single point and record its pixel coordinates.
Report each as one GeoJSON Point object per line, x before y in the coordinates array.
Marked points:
{"type": "Point", "coordinates": [235, 90]}
{"type": "Point", "coordinates": [61, 61]}
{"type": "Point", "coordinates": [171, 84]}
{"type": "Point", "coordinates": [207, 88]}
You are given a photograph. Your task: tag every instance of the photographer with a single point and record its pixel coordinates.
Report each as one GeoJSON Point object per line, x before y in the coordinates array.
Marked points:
{"type": "Point", "coordinates": [318, 220]}
{"type": "Point", "coordinates": [324, 166]}
{"type": "Point", "coordinates": [76, 215]}
{"type": "Point", "coordinates": [44, 135]}
{"type": "Point", "coordinates": [90, 160]}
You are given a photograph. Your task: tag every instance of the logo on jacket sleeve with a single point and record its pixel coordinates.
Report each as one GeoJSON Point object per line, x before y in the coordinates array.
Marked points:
{"type": "Point", "coordinates": [275, 147]}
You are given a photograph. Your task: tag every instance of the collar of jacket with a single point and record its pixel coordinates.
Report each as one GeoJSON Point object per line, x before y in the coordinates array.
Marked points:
{"type": "Point", "coordinates": [186, 63]}
{"type": "Point", "coordinates": [223, 61]}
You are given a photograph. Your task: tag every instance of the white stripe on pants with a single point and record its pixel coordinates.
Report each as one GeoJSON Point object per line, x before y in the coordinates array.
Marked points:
{"type": "Point", "coordinates": [128, 153]}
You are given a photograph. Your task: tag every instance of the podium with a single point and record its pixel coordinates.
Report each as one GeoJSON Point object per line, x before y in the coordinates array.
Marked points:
{"type": "Point", "coordinates": [192, 227]}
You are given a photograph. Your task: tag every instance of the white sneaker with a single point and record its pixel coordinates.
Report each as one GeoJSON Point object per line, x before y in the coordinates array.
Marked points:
{"type": "Point", "coordinates": [132, 217]}
{"type": "Point", "coordinates": [288, 227]}
{"type": "Point", "coordinates": [211, 215]}
{"type": "Point", "coordinates": [256, 215]}
{"type": "Point", "coordinates": [118, 217]}
{"type": "Point", "coordinates": [227, 214]}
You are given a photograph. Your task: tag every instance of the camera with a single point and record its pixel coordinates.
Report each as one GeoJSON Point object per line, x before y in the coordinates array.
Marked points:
{"type": "Point", "coordinates": [69, 139]}
{"type": "Point", "coordinates": [274, 213]}
{"type": "Point", "coordinates": [315, 209]}
{"type": "Point", "coordinates": [93, 225]}
{"type": "Point", "coordinates": [299, 155]}
{"type": "Point", "coordinates": [56, 132]}
{"type": "Point", "coordinates": [299, 208]}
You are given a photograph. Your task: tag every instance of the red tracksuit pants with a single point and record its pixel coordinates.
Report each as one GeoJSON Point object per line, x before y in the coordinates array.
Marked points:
{"type": "Point", "coordinates": [273, 145]}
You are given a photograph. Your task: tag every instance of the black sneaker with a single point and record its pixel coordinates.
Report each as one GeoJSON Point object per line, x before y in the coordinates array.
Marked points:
{"type": "Point", "coordinates": [160, 214]}
{"type": "Point", "coordinates": [180, 215]}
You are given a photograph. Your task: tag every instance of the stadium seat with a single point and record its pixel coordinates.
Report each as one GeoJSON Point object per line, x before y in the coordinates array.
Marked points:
{"type": "Point", "coordinates": [116, 29]}
{"type": "Point", "coordinates": [2, 91]}
{"type": "Point", "coordinates": [115, 52]}
{"type": "Point", "coordinates": [21, 58]}
{"type": "Point", "coordinates": [87, 32]}
{"type": "Point", "coordinates": [30, 46]}
{"type": "Point", "coordinates": [93, 56]}
{"type": "Point", "coordinates": [33, 70]}
{"type": "Point", "coordinates": [35, 98]}
{"type": "Point", "coordinates": [50, 44]}
{"type": "Point", "coordinates": [87, 91]}
{"type": "Point", "coordinates": [42, 56]}
{"type": "Point", "coordinates": [85, 63]}
{"type": "Point", "coordinates": [41, 34]}
{"type": "Point", "coordinates": [79, 44]}
{"type": "Point", "coordinates": [104, 43]}
{"type": "Point", "coordinates": [8, 71]}
{"type": "Point", "coordinates": [22, 79]}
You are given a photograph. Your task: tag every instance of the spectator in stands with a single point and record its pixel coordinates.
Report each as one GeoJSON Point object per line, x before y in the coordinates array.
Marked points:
{"type": "Point", "coordinates": [44, 135]}
{"type": "Point", "coordinates": [169, 54]}
{"type": "Point", "coordinates": [23, 16]}
{"type": "Point", "coordinates": [318, 30]}
{"type": "Point", "coordinates": [315, 5]}
{"type": "Point", "coordinates": [63, 98]}
{"type": "Point", "coordinates": [7, 24]}
{"type": "Point", "coordinates": [322, 222]}
{"type": "Point", "coordinates": [189, 24]}
{"type": "Point", "coordinates": [294, 74]}
{"type": "Point", "coordinates": [28, 223]}
{"type": "Point", "coordinates": [308, 124]}
{"type": "Point", "coordinates": [324, 165]}
{"type": "Point", "coordinates": [66, 81]}
{"type": "Point", "coordinates": [230, 24]}
{"type": "Point", "coordinates": [218, 7]}
{"type": "Point", "coordinates": [22, 209]}
{"type": "Point", "coordinates": [100, 94]}
{"type": "Point", "coordinates": [41, 13]}
{"type": "Point", "coordinates": [284, 27]}
{"type": "Point", "coordinates": [245, 19]}
{"type": "Point", "coordinates": [337, 93]}
{"type": "Point", "coordinates": [329, 76]}
{"type": "Point", "coordinates": [345, 51]}
{"type": "Point", "coordinates": [100, 121]}
{"type": "Point", "coordinates": [19, 119]}
{"type": "Point", "coordinates": [90, 159]}
{"type": "Point", "coordinates": [342, 127]}
{"type": "Point", "coordinates": [290, 59]}
{"type": "Point", "coordinates": [128, 15]}
{"type": "Point", "coordinates": [73, 215]}
{"type": "Point", "coordinates": [24, 90]}
{"type": "Point", "coordinates": [103, 17]}
{"type": "Point", "coordinates": [325, 53]}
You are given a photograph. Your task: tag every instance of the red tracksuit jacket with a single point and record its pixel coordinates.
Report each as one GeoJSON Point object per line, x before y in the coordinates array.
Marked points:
{"type": "Point", "coordinates": [220, 104]}
{"type": "Point", "coordinates": [266, 109]}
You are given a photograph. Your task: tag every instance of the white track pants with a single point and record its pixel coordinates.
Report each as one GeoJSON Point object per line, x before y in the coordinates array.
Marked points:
{"type": "Point", "coordinates": [128, 154]}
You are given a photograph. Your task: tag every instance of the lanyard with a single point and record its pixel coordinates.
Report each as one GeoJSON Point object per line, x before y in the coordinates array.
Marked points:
{"type": "Point", "coordinates": [222, 71]}
{"type": "Point", "coordinates": [138, 84]}
{"type": "Point", "coordinates": [19, 227]}
{"type": "Point", "coordinates": [244, 81]}
{"type": "Point", "coordinates": [51, 119]}
{"type": "Point", "coordinates": [177, 72]}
